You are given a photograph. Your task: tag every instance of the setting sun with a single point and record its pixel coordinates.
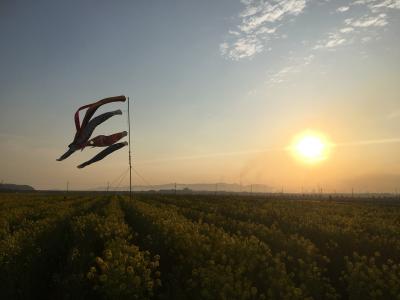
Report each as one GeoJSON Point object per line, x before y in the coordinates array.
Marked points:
{"type": "Point", "coordinates": [310, 147]}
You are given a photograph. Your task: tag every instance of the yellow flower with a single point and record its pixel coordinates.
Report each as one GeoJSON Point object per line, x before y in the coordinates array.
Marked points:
{"type": "Point", "coordinates": [253, 290]}
{"type": "Point", "coordinates": [108, 254]}
{"type": "Point", "coordinates": [99, 260]}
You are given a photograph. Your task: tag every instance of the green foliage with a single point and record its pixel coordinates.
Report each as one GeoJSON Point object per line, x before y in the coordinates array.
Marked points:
{"type": "Point", "coordinates": [196, 247]}
{"type": "Point", "coordinates": [367, 279]}
{"type": "Point", "coordinates": [103, 263]}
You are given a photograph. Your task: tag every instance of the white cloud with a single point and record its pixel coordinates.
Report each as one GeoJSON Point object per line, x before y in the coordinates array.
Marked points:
{"type": "Point", "coordinates": [223, 48]}
{"type": "Point", "coordinates": [368, 21]}
{"type": "Point", "coordinates": [366, 39]}
{"type": "Point", "coordinates": [259, 22]}
{"type": "Point", "coordinates": [376, 5]}
{"type": "Point", "coordinates": [232, 32]}
{"type": "Point", "coordinates": [245, 47]}
{"type": "Point", "coordinates": [343, 8]}
{"type": "Point", "coordinates": [265, 12]}
{"type": "Point", "coordinates": [334, 40]}
{"type": "Point", "coordinates": [296, 66]}
{"type": "Point", "coordinates": [346, 29]}
{"type": "Point", "coordinates": [361, 29]}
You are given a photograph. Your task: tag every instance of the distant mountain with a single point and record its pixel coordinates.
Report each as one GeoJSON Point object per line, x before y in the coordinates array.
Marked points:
{"type": "Point", "coordinates": [15, 187]}
{"type": "Point", "coordinates": [197, 187]}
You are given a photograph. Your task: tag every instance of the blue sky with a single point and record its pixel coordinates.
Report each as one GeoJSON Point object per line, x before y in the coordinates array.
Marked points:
{"type": "Point", "coordinates": [213, 83]}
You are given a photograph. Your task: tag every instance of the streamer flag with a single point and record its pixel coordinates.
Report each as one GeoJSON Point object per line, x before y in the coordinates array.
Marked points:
{"type": "Point", "coordinates": [106, 140]}
{"type": "Point", "coordinates": [85, 130]}
{"type": "Point", "coordinates": [103, 154]}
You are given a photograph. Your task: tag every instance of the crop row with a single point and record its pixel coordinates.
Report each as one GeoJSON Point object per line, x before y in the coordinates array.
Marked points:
{"type": "Point", "coordinates": [103, 263]}
{"type": "Point", "coordinates": [275, 224]}
{"type": "Point", "coordinates": [196, 247]}
{"type": "Point", "coordinates": [33, 246]}
{"type": "Point", "coordinates": [206, 262]}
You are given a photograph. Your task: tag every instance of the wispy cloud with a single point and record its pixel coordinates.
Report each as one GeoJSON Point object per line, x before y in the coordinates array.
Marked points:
{"type": "Point", "coordinates": [334, 40]}
{"type": "Point", "coordinates": [368, 142]}
{"type": "Point", "coordinates": [343, 8]}
{"type": "Point", "coordinates": [262, 21]}
{"type": "Point", "coordinates": [364, 26]}
{"type": "Point", "coordinates": [259, 22]}
{"type": "Point", "coordinates": [376, 5]}
{"type": "Point", "coordinates": [368, 21]}
{"type": "Point", "coordinates": [295, 66]}
{"type": "Point", "coordinates": [346, 29]}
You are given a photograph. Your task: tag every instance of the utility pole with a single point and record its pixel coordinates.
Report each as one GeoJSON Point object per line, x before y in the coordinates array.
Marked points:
{"type": "Point", "coordinates": [108, 186]}
{"type": "Point", "coordinates": [130, 159]}
{"type": "Point", "coordinates": [251, 189]}
{"type": "Point", "coordinates": [175, 188]}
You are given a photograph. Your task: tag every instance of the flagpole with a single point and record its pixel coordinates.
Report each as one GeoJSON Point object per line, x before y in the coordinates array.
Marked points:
{"type": "Point", "coordinates": [130, 159]}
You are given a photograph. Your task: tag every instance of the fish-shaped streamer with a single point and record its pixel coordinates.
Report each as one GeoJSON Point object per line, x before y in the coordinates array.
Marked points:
{"type": "Point", "coordinates": [86, 132]}
{"type": "Point", "coordinates": [103, 154]}
{"type": "Point", "coordinates": [106, 140]}
{"type": "Point", "coordinates": [91, 110]}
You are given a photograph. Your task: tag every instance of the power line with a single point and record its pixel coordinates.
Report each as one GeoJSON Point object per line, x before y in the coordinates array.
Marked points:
{"type": "Point", "coordinates": [117, 180]}
{"type": "Point", "coordinates": [123, 177]}
{"type": "Point", "coordinates": [143, 179]}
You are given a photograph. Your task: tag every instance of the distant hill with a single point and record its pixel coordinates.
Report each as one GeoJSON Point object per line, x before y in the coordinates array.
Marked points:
{"type": "Point", "coordinates": [197, 187]}
{"type": "Point", "coordinates": [15, 187]}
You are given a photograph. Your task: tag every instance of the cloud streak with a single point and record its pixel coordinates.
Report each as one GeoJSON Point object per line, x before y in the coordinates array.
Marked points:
{"type": "Point", "coordinates": [365, 26]}
{"type": "Point", "coordinates": [296, 66]}
{"type": "Point", "coordinates": [343, 8]}
{"type": "Point", "coordinates": [369, 142]}
{"type": "Point", "coordinates": [264, 150]}
{"type": "Point", "coordinates": [259, 23]}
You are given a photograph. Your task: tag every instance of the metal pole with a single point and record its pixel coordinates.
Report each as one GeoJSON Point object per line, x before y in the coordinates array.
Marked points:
{"type": "Point", "coordinates": [130, 159]}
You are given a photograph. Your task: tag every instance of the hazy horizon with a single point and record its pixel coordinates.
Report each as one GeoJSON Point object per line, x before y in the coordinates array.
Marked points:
{"type": "Point", "coordinates": [220, 91]}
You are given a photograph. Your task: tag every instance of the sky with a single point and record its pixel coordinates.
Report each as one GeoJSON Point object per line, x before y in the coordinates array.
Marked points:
{"type": "Point", "coordinates": [219, 90]}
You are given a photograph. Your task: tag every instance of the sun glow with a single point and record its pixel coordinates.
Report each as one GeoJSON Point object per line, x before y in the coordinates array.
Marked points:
{"type": "Point", "coordinates": [310, 147]}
